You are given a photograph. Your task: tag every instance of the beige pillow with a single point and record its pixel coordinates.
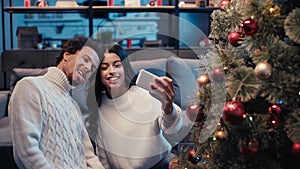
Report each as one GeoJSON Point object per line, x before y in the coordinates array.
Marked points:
{"type": "Point", "coordinates": [18, 73]}
{"type": "Point", "coordinates": [160, 64]}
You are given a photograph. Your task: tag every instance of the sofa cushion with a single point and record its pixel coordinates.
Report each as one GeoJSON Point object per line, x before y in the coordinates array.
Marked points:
{"type": "Point", "coordinates": [185, 73]}
{"type": "Point", "coordinates": [5, 132]}
{"type": "Point", "coordinates": [4, 97]}
{"type": "Point", "coordinates": [155, 64]}
{"type": "Point", "coordinates": [18, 73]}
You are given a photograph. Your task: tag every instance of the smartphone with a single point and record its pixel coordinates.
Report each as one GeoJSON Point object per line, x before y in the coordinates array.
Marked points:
{"type": "Point", "coordinates": [144, 79]}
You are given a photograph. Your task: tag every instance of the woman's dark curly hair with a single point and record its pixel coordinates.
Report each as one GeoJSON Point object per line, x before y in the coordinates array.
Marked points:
{"type": "Point", "coordinates": [72, 46]}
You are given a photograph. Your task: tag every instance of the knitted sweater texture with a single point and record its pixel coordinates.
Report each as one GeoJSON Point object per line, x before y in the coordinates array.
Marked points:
{"type": "Point", "coordinates": [131, 130]}
{"type": "Point", "coordinates": [47, 126]}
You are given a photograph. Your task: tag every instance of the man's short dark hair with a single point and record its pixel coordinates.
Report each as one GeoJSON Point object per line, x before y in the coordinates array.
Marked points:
{"type": "Point", "coordinates": [72, 46]}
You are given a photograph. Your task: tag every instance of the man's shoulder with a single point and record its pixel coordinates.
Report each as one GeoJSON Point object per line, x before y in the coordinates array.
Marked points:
{"type": "Point", "coordinates": [30, 81]}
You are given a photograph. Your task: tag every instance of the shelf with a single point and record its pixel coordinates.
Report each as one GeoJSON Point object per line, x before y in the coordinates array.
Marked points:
{"type": "Point", "coordinates": [197, 9]}
{"type": "Point", "coordinates": [47, 20]}
{"type": "Point", "coordinates": [133, 9]}
{"type": "Point", "coordinates": [105, 9]}
{"type": "Point", "coordinates": [50, 9]}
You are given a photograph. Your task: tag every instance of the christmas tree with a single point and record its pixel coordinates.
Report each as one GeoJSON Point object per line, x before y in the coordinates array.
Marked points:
{"type": "Point", "coordinates": [255, 63]}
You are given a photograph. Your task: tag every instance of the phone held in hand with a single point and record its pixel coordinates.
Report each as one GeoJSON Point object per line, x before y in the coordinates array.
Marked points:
{"type": "Point", "coordinates": [144, 79]}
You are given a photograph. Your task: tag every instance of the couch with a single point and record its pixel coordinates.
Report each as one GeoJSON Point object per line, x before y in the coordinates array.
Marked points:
{"type": "Point", "coordinates": [183, 71]}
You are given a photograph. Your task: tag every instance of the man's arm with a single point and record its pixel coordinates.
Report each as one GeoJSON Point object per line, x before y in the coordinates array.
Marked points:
{"type": "Point", "coordinates": [25, 113]}
{"type": "Point", "coordinates": [91, 159]}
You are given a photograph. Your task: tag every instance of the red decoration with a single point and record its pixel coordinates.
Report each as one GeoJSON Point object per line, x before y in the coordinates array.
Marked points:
{"type": "Point", "coordinates": [249, 149]}
{"type": "Point", "coordinates": [194, 112]}
{"type": "Point", "coordinates": [233, 112]}
{"type": "Point", "coordinates": [218, 74]}
{"type": "Point", "coordinates": [296, 150]}
{"type": "Point", "coordinates": [203, 80]}
{"type": "Point", "coordinates": [191, 156]}
{"type": "Point", "coordinates": [224, 4]}
{"type": "Point", "coordinates": [110, 2]}
{"type": "Point", "coordinates": [27, 3]}
{"type": "Point", "coordinates": [158, 2]}
{"type": "Point", "coordinates": [275, 109]}
{"type": "Point", "coordinates": [152, 3]}
{"type": "Point", "coordinates": [249, 26]}
{"type": "Point", "coordinates": [235, 38]}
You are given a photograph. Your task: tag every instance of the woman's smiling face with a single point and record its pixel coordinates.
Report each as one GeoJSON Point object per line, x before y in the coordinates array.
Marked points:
{"type": "Point", "coordinates": [113, 75]}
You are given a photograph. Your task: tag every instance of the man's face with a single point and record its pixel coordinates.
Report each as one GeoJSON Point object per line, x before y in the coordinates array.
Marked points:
{"type": "Point", "coordinates": [81, 65]}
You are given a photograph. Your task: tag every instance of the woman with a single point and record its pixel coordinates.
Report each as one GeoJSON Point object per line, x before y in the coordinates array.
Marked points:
{"type": "Point", "coordinates": [128, 123]}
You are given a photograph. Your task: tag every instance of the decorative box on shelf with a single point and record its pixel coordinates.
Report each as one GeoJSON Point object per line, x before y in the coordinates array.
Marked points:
{"type": "Point", "coordinates": [66, 3]}
{"type": "Point", "coordinates": [27, 37]}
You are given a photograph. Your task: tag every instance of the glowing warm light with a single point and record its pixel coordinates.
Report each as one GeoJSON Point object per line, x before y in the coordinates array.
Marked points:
{"type": "Point", "coordinates": [272, 10]}
{"type": "Point", "coordinates": [250, 118]}
{"type": "Point", "coordinates": [231, 106]}
{"type": "Point", "coordinates": [274, 122]}
{"type": "Point", "coordinates": [244, 115]}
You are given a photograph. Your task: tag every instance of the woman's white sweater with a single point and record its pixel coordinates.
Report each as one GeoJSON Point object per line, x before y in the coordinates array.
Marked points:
{"type": "Point", "coordinates": [131, 130]}
{"type": "Point", "coordinates": [47, 126]}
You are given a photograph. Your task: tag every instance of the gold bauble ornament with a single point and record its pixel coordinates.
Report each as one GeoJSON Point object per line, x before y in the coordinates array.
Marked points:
{"type": "Point", "coordinates": [263, 71]}
{"type": "Point", "coordinates": [203, 80]}
{"type": "Point", "coordinates": [220, 135]}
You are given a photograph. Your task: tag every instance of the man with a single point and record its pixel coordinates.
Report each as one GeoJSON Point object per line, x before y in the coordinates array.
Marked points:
{"type": "Point", "coordinates": [47, 125]}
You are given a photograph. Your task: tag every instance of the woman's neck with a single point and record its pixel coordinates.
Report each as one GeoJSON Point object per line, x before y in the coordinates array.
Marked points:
{"type": "Point", "coordinates": [116, 92]}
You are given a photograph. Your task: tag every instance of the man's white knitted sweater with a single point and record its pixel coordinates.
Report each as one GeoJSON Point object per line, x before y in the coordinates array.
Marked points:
{"type": "Point", "coordinates": [47, 126]}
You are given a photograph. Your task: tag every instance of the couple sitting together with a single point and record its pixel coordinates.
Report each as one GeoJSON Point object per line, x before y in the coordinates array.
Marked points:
{"type": "Point", "coordinates": [126, 123]}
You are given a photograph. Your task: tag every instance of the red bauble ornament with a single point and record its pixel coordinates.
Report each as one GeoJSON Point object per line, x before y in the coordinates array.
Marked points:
{"type": "Point", "coordinates": [224, 4]}
{"type": "Point", "coordinates": [275, 109]}
{"type": "Point", "coordinates": [296, 150]}
{"type": "Point", "coordinates": [194, 112]}
{"type": "Point", "coordinates": [249, 26]}
{"type": "Point", "coordinates": [249, 149]}
{"type": "Point", "coordinates": [203, 80]}
{"type": "Point", "coordinates": [191, 156]}
{"type": "Point", "coordinates": [233, 112]}
{"type": "Point", "coordinates": [235, 38]}
{"type": "Point", "coordinates": [218, 74]}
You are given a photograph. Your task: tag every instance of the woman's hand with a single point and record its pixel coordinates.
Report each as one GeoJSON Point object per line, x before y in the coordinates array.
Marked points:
{"type": "Point", "coordinates": [163, 90]}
